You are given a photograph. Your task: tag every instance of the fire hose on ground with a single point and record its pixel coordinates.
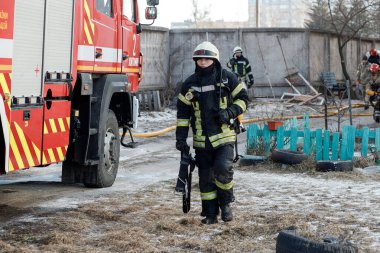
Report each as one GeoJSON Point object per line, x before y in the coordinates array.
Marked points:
{"type": "Point", "coordinates": [248, 121]}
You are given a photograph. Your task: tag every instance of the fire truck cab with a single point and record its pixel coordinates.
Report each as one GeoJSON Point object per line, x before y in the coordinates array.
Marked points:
{"type": "Point", "coordinates": [69, 71]}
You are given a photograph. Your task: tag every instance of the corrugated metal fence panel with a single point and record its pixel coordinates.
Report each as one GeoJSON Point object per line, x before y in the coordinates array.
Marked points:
{"type": "Point", "coordinates": [155, 47]}
{"type": "Point", "coordinates": [29, 48]}
{"type": "Point", "coordinates": [28, 43]}
{"type": "Point", "coordinates": [58, 35]}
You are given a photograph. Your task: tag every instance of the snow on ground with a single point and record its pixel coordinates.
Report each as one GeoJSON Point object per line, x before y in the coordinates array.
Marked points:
{"type": "Point", "coordinates": [141, 213]}
{"type": "Point", "coordinates": [154, 121]}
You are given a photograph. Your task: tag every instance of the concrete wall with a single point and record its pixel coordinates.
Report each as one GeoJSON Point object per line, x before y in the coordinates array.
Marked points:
{"type": "Point", "coordinates": [324, 55]}
{"type": "Point", "coordinates": [273, 53]}
{"type": "Point", "coordinates": [260, 46]}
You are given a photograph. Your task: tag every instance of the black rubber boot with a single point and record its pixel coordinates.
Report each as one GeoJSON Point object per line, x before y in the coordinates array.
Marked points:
{"type": "Point", "coordinates": [203, 213]}
{"type": "Point", "coordinates": [226, 212]}
{"type": "Point", "coordinates": [210, 220]}
{"type": "Point", "coordinates": [210, 209]}
{"type": "Point", "coordinates": [366, 105]}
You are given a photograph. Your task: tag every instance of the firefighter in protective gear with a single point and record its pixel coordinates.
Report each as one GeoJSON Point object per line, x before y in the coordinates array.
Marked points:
{"type": "Point", "coordinates": [209, 101]}
{"type": "Point", "coordinates": [363, 76]}
{"type": "Point", "coordinates": [374, 82]}
{"type": "Point", "coordinates": [241, 67]}
{"type": "Point", "coordinates": [373, 56]}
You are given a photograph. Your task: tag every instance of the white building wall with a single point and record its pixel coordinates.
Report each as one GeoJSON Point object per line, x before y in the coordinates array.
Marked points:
{"type": "Point", "coordinates": [279, 13]}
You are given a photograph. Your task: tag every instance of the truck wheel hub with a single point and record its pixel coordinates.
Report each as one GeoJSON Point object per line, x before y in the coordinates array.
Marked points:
{"type": "Point", "coordinates": [109, 150]}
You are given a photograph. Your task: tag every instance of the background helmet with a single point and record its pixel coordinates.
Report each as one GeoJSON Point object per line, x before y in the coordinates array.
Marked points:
{"type": "Point", "coordinates": [206, 50]}
{"type": "Point", "coordinates": [373, 52]}
{"type": "Point", "coordinates": [238, 50]}
{"type": "Point", "coordinates": [374, 68]}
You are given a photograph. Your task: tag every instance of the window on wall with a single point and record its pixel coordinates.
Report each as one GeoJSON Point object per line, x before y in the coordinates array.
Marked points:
{"type": "Point", "coordinates": [105, 7]}
{"type": "Point", "coordinates": [129, 9]}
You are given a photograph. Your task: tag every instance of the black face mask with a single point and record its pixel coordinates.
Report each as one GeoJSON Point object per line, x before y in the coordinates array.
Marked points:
{"type": "Point", "coordinates": [204, 71]}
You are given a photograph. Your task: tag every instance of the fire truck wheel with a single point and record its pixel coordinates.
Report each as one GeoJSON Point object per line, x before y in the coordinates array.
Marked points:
{"type": "Point", "coordinates": [109, 162]}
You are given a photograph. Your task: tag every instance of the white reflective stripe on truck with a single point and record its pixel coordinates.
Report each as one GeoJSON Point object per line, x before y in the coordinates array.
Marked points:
{"type": "Point", "coordinates": [87, 53]}
{"type": "Point", "coordinates": [4, 125]}
{"type": "Point", "coordinates": [6, 46]}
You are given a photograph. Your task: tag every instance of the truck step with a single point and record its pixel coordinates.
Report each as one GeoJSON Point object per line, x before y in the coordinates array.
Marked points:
{"type": "Point", "coordinates": [93, 131]}
{"type": "Point", "coordinates": [94, 99]}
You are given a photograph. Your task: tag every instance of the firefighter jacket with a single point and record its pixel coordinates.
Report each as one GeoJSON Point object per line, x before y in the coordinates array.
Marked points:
{"type": "Point", "coordinates": [374, 59]}
{"type": "Point", "coordinates": [201, 97]}
{"type": "Point", "coordinates": [363, 74]}
{"type": "Point", "coordinates": [241, 67]}
{"type": "Point", "coordinates": [373, 83]}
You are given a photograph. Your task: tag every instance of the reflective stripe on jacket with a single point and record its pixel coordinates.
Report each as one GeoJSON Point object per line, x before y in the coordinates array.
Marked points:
{"type": "Point", "coordinates": [241, 67]}
{"type": "Point", "coordinates": [199, 102]}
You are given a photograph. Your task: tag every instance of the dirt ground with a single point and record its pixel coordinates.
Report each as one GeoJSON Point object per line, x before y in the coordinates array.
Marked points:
{"type": "Point", "coordinates": [141, 212]}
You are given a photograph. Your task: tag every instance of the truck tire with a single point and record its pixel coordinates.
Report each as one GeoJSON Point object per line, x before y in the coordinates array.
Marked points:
{"type": "Point", "coordinates": [289, 242]}
{"type": "Point", "coordinates": [287, 156]}
{"type": "Point", "coordinates": [248, 160]}
{"type": "Point", "coordinates": [327, 165]}
{"type": "Point", "coordinates": [106, 170]}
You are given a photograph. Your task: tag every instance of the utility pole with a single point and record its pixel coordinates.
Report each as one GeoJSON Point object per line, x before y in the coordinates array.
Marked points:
{"type": "Point", "coordinates": [257, 13]}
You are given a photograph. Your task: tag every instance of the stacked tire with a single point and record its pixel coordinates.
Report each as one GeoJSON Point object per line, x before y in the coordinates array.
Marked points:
{"type": "Point", "coordinates": [288, 242]}
{"type": "Point", "coordinates": [288, 157]}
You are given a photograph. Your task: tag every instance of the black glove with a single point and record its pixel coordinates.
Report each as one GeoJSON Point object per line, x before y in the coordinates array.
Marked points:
{"type": "Point", "coordinates": [251, 82]}
{"type": "Point", "coordinates": [181, 145]}
{"type": "Point", "coordinates": [225, 116]}
{"type": "Point", "coordinates": [231, 63]}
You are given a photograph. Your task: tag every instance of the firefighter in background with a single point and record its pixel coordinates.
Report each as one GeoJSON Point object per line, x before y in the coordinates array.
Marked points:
{"type": "Point", "coordinates": [363, 76]}
{"type": "Point", "coordinates": [373, 56]}
{"type": "Point", "coordinates": [209, 101]}
{"type": "Point", "coordinates": [374, 80]}
{"type": "Point", "coordinates": [241, 67]}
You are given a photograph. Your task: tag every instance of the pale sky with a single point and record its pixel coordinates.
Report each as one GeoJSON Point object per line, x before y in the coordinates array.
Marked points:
{"type": "Point", "coordinates": [180, 10]}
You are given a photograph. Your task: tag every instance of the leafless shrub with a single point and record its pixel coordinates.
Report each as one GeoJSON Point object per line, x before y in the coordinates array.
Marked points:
{"type": "Point", "coordinates": [362, 162]}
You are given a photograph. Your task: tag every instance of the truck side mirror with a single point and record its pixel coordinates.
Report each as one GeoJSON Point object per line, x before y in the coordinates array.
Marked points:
{"type": "Point", "coordinates": [151, 13]}
{"type": "Point", "coordinates": [152, 2]}
{"type": "Point", "coordinates": [138, 28]}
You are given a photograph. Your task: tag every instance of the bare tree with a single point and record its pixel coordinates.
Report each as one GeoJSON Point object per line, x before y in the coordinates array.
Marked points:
{"type": "Point", "coordinates": [348, 18]}
{"type": "Point", "coordinates": [199, 15]}
{"type": "Point", "coordinates": [319, 16]}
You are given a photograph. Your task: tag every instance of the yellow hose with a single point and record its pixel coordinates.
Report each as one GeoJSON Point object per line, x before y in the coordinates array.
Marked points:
{"type": "Point", "coordinates": [245, 121]}
{"type": "Point", "coordinates": [153, 134]}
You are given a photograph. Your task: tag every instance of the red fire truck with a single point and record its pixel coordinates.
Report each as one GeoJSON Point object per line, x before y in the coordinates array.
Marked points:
{"type": "Point", "coordinates": [69, 72]}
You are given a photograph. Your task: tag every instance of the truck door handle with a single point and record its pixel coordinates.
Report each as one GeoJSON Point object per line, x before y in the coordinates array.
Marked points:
{"type": "Point", "coordinates": [125, 56]}
{"type": "Point", "coordinates": [98, 53]}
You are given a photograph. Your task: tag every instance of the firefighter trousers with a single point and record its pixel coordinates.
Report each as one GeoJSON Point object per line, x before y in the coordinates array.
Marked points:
{"type": "Point", "coordinates": [215, 177]}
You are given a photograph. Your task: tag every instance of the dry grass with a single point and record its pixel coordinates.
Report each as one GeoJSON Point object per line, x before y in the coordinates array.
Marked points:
{"type": "Point", "coordinates": [152, 221]}
{"type": "Point", "coordinates": [362, 162]}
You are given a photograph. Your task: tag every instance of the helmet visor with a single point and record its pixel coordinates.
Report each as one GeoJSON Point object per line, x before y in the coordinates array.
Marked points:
{"type": "Point", "coordinates": [203, 53]}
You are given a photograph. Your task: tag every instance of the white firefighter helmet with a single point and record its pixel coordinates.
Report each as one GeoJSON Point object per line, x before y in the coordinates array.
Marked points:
{"type": "Point", "coordinates": [206, 50]}
{"type": "Point", "coordinates": [238, 50]}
